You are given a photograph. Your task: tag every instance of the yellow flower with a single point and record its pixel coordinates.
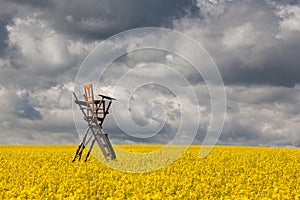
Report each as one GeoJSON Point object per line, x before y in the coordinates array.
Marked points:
{"type": "Point", "coordinates": [46, 172]}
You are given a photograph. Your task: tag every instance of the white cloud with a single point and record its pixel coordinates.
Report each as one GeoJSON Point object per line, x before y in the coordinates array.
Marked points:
{"type": "Point", "coordinates": [290, 20]}
{"type": "Point", "coordinates": [42, 49]}
{"type": "Point", "coordinates": [240, 37]}
{"type": "Point", "coordinates": [40, 46]}
{"type": "Point", "coordinates": [213, 8]}
{"type": "Point", "coordinates": [97, 24]}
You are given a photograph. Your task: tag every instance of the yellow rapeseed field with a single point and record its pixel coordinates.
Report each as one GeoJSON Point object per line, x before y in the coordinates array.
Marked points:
{"type": "Point", "coordinates": [46, 172]}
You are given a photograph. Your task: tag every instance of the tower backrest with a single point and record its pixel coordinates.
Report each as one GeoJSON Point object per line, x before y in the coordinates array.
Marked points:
{"type": "Point", "coordinates": [89, 97]}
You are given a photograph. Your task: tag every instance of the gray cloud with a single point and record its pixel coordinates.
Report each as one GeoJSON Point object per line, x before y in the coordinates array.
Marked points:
{"type": "Point", "coordinates": [265, 115]}
{"type": "Point", "coordinates": [256, 45]}
{"type": "Point", "coordinates": [251, 41]}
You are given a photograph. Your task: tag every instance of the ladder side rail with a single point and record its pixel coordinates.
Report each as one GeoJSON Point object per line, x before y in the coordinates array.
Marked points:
{"type": "Point", "coordinates": [106, 144]}
{"type": "Point", "coordinates": [110, 148]}
{"type": "Point", "coordinates": [100, 144]}
{"type": "Point", "coordinates": [104, 140]}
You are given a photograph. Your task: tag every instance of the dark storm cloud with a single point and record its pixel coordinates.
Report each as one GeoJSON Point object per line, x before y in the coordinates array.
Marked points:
{"type": "Point", "coordinates": [280, 67]}
{"type": "Point", "coordinates": [100, 19]}
{"type": "Point", "coordinates": [33, 3]}
{"type": "Point", "coordinates": [25, 110]}
{"type": "Point", "coordinates": [107, 18]}
{"type": "Point", "coordinates": [3, 36]}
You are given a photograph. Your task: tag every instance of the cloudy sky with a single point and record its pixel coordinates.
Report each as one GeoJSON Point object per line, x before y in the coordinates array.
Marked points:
{"type": "Point", "coordinates": [255, 44]}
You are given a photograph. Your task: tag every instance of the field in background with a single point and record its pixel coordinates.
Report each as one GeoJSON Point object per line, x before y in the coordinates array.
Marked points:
{"type": "Point", "coordinates": [41, 172]}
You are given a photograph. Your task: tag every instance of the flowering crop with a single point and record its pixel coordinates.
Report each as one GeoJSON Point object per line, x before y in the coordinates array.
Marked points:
{"type": "Point", "coordinates": [46, 172]}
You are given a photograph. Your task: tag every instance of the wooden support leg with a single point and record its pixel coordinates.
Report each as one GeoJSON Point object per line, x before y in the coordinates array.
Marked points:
{"type": "Point", "coordinates": [91, 147]}
{"type": "Point", "coordinates": [77, 152]}
{"type": "Point", "coordinates": [81, 146]}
